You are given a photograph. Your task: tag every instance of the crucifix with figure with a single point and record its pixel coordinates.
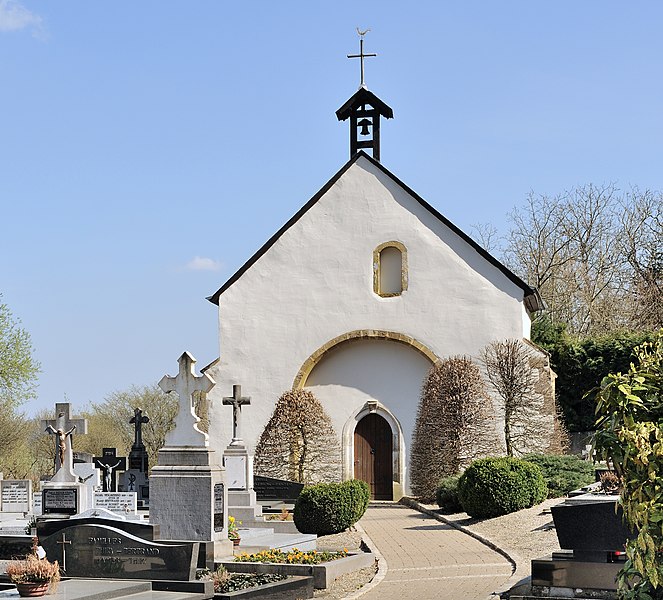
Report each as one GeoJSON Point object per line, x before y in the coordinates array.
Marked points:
{"type": "Point", "coordinates": [237, 401]}
{"type": "Point", "coordinates": [186, 432]}
{"type": "Point", "coordinates": [62, 428]}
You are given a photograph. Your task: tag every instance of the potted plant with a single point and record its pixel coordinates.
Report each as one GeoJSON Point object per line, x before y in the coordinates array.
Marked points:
{"type": "Point", "coordinates": [233, 533]}
{"type": "Point", "coordinates": [34, 575]}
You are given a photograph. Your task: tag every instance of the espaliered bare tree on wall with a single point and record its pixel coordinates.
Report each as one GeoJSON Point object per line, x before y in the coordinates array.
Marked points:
{"type": "Point", "coordinates": [531, 420]}
{"type": "Point", "coordinates": [453, 424]}
{"type": "Point", "coordinates": [299, 442]}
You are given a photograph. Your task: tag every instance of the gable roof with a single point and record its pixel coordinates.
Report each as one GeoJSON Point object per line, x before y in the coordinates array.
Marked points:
{"type": "Point", "coordinates": [532, 299]}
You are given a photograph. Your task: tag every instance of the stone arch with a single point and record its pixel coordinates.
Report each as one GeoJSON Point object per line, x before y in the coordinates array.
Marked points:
{"type": "Point", "coordinates": [358, 334]}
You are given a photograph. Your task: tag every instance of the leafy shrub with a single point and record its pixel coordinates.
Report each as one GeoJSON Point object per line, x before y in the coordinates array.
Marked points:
{"type": "Point", "coordinates": [562, 473]}
{"type": "Point", "coordinates": [331, 507]}
{"type": "Point", "coordinates": [497, 486]}
{"type": "Point", "coordinates": [446, 495]}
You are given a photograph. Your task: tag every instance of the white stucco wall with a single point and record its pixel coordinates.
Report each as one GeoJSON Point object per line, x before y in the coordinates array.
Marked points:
{"type": "Point", "coordinates": [316, 283]}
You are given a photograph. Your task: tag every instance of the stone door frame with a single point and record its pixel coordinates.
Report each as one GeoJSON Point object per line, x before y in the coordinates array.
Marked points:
{"type": "Point", "coordinates": [398, 457]}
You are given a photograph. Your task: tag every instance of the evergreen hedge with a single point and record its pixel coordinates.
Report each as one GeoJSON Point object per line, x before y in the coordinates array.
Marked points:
{"type": "Point", "coordinates": [562, 473]}
{"type": "Point", "coordinates": [581, 364]}
{"type": "Point", "coordinates": [491, 487]}
{"type": "Point", "coordinates": [328, 508]}
{"type": "Point", "coordinates": [446, 495]}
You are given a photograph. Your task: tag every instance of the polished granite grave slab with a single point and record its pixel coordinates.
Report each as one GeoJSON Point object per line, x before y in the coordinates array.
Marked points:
{"type": "Point", "coordinates": [107, 552]}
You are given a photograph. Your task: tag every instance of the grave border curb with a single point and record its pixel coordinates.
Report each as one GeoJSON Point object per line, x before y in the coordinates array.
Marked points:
{"type": "Point", "coordinates": [383, 567]}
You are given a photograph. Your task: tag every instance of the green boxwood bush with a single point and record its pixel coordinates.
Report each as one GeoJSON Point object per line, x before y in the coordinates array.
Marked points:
{"type": "Point", "coordinates": [562, 473]}
{"type": "Point", "coordinates": [331, 507]}
{"type": "Point", "coordinates": [497, 486]}
{"type": "Point", "coordinates": [446, 494]}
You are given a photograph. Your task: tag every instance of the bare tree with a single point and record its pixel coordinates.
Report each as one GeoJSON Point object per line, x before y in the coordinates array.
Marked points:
{"type": "Point", "coordinates": [641, 245]}
{"type": "Point", "coordinates": [567, 247]}
{"type": "Point", "coordinates": [453, 424]}
{"type": "Point", "coordinates": [526, 399]}
{"type": "Point", "coordinates": [118, 408]}
{"type": "Point", "coordinates": [299, 442]}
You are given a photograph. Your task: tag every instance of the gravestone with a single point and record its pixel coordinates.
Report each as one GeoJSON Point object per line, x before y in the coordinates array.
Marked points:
{"type": "Point", "coordinates": [83, 457]}
{"type": "Point", "coordinates": [108, 552]}
{"type": "Point", "coordinates": [183, 483]}
{"type": "Point", "coordinates": [89, 476]}
{"type": "Point", "coordinates": [119, 502]}
{"type": "Point", "coordinates": [64, 494]}
{"type": "Point", "coordinates": [15, 495]}
{"type": "Point", "coordinates": [110, 463]}
{"type": "Point", "coordinates": [135, 479]}
{"type": "Point", "coordinates": [36, 504]}
{"type": "Point", "coordinates": [236, 459]}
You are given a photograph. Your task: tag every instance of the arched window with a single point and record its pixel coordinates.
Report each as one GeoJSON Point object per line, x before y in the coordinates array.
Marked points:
{"type": "Point", "coordinates": [390, 269]}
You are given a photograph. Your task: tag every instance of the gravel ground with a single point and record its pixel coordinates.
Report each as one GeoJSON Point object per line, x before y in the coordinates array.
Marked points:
{"type": "Point", "coordinates": [350, 582]}
{"type": "Point", "coordinates": [523, 535]}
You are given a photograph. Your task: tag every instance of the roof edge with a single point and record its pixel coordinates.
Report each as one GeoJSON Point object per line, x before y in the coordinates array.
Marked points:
{"type": "Point", "coordinates": [532, 299]}
{"type": "Point", "coordinates": [214, 298]}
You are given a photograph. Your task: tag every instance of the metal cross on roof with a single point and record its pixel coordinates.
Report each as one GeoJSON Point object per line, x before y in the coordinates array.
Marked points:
{"type": "Point", "coordinates": [361, 54]}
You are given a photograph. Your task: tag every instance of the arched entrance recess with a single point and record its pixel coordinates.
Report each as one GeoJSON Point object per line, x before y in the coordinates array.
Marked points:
{"type": "Point", "coordinates": [373, 456]}
{"type": "Point", "coordinates": [369, 371]}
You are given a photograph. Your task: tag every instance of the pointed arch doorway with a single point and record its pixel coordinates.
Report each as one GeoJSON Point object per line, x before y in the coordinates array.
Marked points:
{"type": "Point", "coordinates": [373, 461]}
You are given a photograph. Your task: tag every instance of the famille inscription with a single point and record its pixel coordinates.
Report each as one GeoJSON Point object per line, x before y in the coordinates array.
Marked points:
{"type": "Point", "coordinates": [103, 551]}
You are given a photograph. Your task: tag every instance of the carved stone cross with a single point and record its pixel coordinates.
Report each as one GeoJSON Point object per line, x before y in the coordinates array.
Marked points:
{"type": "Point", "coordinates": [186, 432]}
{"type": "Point", "coordinates": [62, 427]}
{"type": "Point", "coordinates": [137, 420]}
{"type": "Point", "coordinates": [237, 401]}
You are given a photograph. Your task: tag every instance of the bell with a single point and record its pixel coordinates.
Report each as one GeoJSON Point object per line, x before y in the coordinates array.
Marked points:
{"type": "Point", "coordinates": [364, 124]}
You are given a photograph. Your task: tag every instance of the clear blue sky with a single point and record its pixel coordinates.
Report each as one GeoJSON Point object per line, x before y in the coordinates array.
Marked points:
{"type": "Point", "coordinates": [149, 148]}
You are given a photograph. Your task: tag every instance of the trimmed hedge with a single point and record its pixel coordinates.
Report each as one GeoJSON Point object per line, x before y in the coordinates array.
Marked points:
{"type": "Point", "coordinates": [446, 494]}
{"type": "Point", "coordinates": [331, 507]}
{"type": "Point", "coordinates": [491, 487]}
{"type": "Point", "coordinates": [562, 473]}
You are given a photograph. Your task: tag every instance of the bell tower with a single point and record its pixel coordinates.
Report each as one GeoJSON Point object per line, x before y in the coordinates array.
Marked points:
{"type": "Point", "coordinates": [364, 109]}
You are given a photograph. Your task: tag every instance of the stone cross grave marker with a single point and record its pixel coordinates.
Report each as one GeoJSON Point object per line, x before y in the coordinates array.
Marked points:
{"type": "Point", "coordinates": [109, 462]}
{"type": "Point", "coordinates": [62, 428]}
{"type": "Point", "coordinates": [186, 432]}
{"type": "Point", "coordinates": [237, 401]}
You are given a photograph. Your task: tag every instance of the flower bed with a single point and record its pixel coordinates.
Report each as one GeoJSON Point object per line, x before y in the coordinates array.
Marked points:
{"type": "Point", "coordinates": [324, 572]}
{"type": "Point", "coordinates": [293, 557]}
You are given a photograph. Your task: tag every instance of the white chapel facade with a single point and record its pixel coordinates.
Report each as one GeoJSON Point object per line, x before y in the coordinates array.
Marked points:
{"type": "Point", "coordinates": [355, 298]}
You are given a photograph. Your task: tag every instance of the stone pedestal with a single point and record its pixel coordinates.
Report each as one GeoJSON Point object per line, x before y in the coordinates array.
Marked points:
{"type": "Point", "coordinates": [188, 497]}
{"type": "Point", "coordinates": [63, 498]}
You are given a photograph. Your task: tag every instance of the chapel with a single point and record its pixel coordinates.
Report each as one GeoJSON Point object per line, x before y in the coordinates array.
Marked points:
{"type": "Point", "coordinates": [355, 298]}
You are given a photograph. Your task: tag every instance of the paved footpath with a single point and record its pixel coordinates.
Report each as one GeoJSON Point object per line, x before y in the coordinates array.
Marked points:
{"type": "Point", "coordinates": [429, 559]}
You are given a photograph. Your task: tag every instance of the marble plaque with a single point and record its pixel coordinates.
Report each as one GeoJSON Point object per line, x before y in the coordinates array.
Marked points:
{"type": "Point", "coordinates": [36, 504]}
{"type": "Point", "coordinates": [106, 552]}
{"type": "Point", "coordinates": [15, 495]}
{"type": "Point", "coordinates": [235, 472]}
{"type": "Point", "coordinates": [119, 502]}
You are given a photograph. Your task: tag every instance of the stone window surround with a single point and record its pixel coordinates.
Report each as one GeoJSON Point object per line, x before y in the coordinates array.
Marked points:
{"type": "Point", "coordinates": [376, 268]}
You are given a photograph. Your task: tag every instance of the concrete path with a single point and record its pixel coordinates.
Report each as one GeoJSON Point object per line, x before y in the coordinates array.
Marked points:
{"type": "Point", "coordinates": [429, 559]}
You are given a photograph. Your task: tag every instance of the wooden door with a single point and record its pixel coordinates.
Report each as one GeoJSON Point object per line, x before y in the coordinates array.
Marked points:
{"type": "Point", "coordinates": [373, 455]}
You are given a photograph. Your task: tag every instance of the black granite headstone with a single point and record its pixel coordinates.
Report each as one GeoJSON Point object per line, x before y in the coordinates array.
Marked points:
{"type": "Point", "coordinates": [106, 552]}
{"type": "Point", "coordinates": [591, 527]}
{"type": "Point", "coordinates": [268, 488]}
{"type": "Point", "coordinates": [61, 501]}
